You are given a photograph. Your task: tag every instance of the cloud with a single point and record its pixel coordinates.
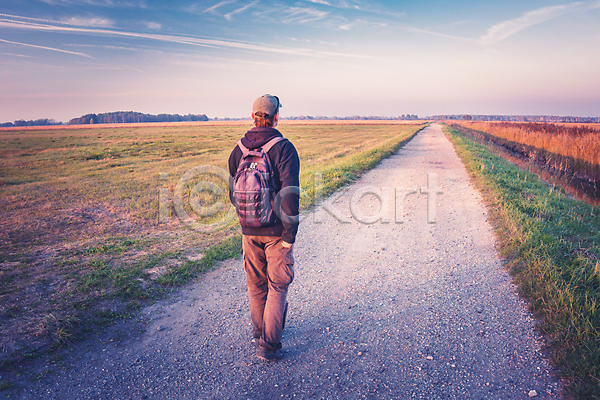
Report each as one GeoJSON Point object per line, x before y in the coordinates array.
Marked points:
{"type": "Point", "coordinates": [298, 14]}
{"type": "Point", "coordinates": [14, 23]}
{"type": "Point", "coordinates": [90, 22]}
{"type": "Point", "coordinates": [348, 26]}
{"type": "Point", "coordinates": [239, 10]}
{"type": "Point", "coordinates": [303, 15]}
{"type": "Point", "coordinates": [98, 3]}
{"type": "Point", "coordinates": [364, 7]}
{"type": "Point", "coordinates": [16, 55]}
{"type": "Point", "coordinates": [155, 26]}
{"type": "Point", "coordinates": [340, 16]}
{"type": "Point", "coordinates": [47, 48]}
{"type": "Point", "coordinates": [433, 33]}
{"type": "Point", "coordinates": [508, 28]}
{"type": "Point", "coordinates": [104, 67]}
{"type": "Point", "coordinates": [223, 3]}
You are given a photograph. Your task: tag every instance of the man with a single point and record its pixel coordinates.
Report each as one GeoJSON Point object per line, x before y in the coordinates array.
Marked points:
{"type": "Point", "coordinates": [268, 258]}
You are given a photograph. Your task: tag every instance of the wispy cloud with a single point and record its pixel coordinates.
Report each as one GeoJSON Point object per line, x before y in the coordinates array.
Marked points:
{"type": "Point", "coordinates": [92, 46]}
{"type": "Point", "coordinates": [508, 28]}
{"type": "Point", "coordinates": [342, 15]}
{"type": "Point", "coordinates": [46, 48]}
{"type": "Point", "coordinates": [90, 22]}
{"type": "Point", "coordinates": [330, 13]}
{"type": "Point", "coordinates": [16, 55]}
{"type": "Point", "coordinates": [155, 26]}
{"type": "Point", "coordinates": [105, 67]}
{"type": "Point", "coordinates": [303, 15]}
{"type": "Point", "coordinates": [349, 25]}
{"type": "Point", "coordinates": [362, 6]}
{"type": "Point", "coordinates": [213, 8]}
{"type": "Point", "coordinates": [228, 16]}
{"type": "Point", "coordinates": [98, 3]}
{"type": "Point", "coordinates": [26, 24]}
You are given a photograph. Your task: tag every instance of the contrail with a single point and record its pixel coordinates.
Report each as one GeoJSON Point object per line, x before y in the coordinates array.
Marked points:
{"type": "Point", "coordinates": [46, 48]}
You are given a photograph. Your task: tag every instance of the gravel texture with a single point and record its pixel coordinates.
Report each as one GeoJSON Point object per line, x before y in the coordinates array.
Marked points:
{"type": "Point", "coordinates": [411, 310]}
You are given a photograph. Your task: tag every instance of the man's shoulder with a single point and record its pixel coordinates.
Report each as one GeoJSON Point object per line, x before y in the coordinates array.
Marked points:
{"type": "Point", "coordinates": [236, 149]}
{"type": "Point", "coordinates": [286, 148]}
{"type": "Point", "coordinates": [286, 143]}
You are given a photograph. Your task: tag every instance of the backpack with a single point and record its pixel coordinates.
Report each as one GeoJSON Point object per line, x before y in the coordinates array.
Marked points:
{"type": "Point", "coordinates": [253, 186]}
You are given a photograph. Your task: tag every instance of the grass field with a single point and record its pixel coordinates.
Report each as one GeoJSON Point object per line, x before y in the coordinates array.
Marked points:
{"type": "Point", "coordinates": [86, 238]}
{"type": "Point", "coordinates": [551, 243]}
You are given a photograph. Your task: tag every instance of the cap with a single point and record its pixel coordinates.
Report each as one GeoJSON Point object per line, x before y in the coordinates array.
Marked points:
{"type": "Point", "coordinates": [267, 104]}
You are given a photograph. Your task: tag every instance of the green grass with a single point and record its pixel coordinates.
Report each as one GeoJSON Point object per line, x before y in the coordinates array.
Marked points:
{"type": "Point", "coordinates": [81, 242]}
{"type": "Point", "coordinates": [551, 243]}
{"type": "Point", "coordinates": [229, 248]}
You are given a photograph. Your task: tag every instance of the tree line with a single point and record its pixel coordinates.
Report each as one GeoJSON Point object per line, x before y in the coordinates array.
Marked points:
{"type": "Point", "coordinates": [37, 122]}
{"type": "Point", "coordinates": [122, 117]}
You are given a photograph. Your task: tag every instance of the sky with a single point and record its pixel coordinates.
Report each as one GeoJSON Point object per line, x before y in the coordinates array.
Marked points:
{"type": "Point", "coordinates": [61, 59]}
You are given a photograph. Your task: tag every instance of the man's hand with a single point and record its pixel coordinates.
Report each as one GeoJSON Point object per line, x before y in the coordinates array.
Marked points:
{"type": "Point", "coordinates": [286, 244]}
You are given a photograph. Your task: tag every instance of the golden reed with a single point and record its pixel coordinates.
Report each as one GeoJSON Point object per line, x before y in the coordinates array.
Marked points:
{"type": "Point", "coordinates": [579, 141]}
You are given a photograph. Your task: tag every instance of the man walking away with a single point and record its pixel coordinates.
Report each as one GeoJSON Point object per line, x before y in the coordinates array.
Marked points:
{"type": "Point", "coordinates": [269, 223]}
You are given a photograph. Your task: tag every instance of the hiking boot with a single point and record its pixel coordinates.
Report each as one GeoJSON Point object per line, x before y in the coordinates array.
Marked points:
{"type": "Point", "coordinates": [268, 354]}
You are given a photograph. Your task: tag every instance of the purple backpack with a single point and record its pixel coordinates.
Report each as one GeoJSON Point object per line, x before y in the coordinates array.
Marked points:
{"type": "Point", "coordinates": [253, 186]}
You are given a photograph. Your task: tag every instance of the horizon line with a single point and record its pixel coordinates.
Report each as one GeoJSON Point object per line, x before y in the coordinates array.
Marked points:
{"type": "Point", "coordinates": [308, 118]}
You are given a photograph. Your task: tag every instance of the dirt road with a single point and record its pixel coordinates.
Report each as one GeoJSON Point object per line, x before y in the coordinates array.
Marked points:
{"type": "Point", "coordinates": [385, 305]}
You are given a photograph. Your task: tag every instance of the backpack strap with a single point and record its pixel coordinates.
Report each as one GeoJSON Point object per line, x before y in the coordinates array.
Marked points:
{"type": "Point", "coordinates": [267, 146]}
{"type": "Point", "coordinates": [243, 148]}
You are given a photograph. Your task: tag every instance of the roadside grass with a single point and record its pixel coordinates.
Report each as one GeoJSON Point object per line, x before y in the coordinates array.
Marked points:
{"type": "Point", "coordinates": [551, 243]}
{"type": "Point", "coordinates": [82, 240]}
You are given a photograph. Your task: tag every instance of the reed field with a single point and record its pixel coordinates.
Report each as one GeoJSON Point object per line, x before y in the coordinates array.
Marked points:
{"type": "Point", "coordinates": [90, 230]}
{"type": "Point", "coordinates": [563, 154]}
{"type": "Point", "coordinates": [581, 141]}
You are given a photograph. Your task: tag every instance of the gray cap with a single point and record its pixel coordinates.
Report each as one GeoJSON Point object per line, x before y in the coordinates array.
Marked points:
{"type": "Point", "coordinates": [267, 104]}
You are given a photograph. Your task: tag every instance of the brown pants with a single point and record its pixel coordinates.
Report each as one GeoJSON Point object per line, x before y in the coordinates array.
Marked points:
{"type": "Point", "coordinates": [269, 271]}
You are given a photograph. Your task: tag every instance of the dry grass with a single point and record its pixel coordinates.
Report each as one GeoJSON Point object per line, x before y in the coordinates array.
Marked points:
{"type": "Point", "coordinates": [579, 141]}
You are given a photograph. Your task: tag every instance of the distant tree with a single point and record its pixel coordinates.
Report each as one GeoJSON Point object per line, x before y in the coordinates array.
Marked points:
{"type": "Point", "coordinates": [119, 117]}
{"type": "Point", "coordinates": [37, 122]}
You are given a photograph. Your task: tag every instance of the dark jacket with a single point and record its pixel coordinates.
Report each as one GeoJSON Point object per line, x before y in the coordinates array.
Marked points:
{"type": "Point", "coordinates": [286, 168]}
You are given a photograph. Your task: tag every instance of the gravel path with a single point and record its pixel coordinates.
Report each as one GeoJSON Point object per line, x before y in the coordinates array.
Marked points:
{"type": "Point", "coordinates": [411, 310]}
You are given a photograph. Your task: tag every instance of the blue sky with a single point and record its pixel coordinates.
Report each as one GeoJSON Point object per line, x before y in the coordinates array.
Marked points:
{"type": "Point", "coordinates": [64, 58]}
